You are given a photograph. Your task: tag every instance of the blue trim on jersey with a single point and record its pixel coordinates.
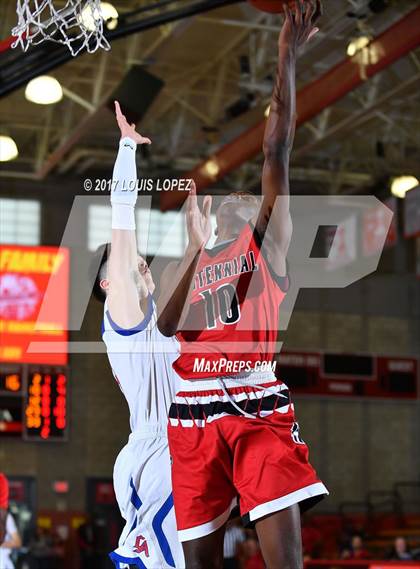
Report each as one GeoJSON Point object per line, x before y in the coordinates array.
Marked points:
{"type": "Point", "coordinates": [140, 327]}
{"type": "Point", "coordinates": [157, 526]}
{"type": "Point", "coordinates": [102, 328]}
{"type": "Point", "coordinates": [135, 498]}
{"type": "Point", "coordinates": [118, 559]}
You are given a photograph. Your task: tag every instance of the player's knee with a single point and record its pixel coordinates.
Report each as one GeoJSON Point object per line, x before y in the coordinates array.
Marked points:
{"type": "Point", "coordinates": [205, 553]}
{"type": "Point", "coordinates": [289, 560]}
{"type": "Point", "coordinates": [203, 560]}
{"type": "Point", "coordinates": [288, 557]}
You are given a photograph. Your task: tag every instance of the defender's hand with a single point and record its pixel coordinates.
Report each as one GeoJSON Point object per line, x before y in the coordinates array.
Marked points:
{"type": "Point", "coordinates": [198, 222]}
{"type": "Point", "coordinates": [127, 129]}
{"type": "Point", "coordinates": [300, 23]}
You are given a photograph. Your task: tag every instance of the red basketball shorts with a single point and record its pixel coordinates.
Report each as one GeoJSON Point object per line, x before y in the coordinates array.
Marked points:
{"type": "Point", "coordinates": [221, 458]}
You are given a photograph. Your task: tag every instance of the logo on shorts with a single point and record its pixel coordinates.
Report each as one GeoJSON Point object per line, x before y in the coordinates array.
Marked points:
{"type": "Point", "coordinates": [141, 545]}
{"type": "Point", "coordinates": [296, 434]}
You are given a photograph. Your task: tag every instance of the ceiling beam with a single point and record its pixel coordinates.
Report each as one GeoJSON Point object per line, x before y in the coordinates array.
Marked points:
{"type": "Point", "coordinates": [193, 76]}
{"type": "Point", "coordinates": [395, 42]}
{"type": "Point", "coordinates": [359, 117]}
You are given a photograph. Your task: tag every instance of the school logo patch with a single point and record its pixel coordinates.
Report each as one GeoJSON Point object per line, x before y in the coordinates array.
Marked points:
{"type": "Point", "coordinates": [141, 545]}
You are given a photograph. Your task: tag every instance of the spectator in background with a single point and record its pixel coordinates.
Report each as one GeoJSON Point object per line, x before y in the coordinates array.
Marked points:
{"type": "Point", "coordinates": [42, 549]}
{"type": "Point", "coordinates": [252, 554]}
{"type": "Point", "coordinates": [234, 536]}
{"type": "Point", "coordinates": [11, 541]}
{"type": "Point", "coordinates": [311, 538]}
{"type": "Point", "coordinates": [400, 550]}
{"type": "Point", "coordinates": [357, 549]}
{"type": "Point", "coordinates": [4, 504]}
{"type": "Point", "coordinates": [87, 545]}
{"type": "Point", "coordinates": [347, 532]}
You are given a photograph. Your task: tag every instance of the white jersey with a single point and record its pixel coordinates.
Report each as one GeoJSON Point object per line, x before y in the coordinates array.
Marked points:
{"type": "Point", "coordinates": [5, 553]}
{"type": "Point", "coordinates": [141, 360]}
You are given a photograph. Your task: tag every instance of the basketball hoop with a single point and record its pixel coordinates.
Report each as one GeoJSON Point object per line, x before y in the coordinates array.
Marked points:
{"type": "Point", "coordinates": [78, 25]}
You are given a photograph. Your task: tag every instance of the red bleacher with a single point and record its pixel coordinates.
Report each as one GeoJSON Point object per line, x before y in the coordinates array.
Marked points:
{"type": "Point", "coordinates": [380, 531]}
{"type": "Point", "coordinates": [360, 564]}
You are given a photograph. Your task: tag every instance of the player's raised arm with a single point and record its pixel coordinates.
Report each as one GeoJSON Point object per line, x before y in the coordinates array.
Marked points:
{"type": "Point", "coordinates": [124, 279]}
{"type": "Point", "coordinates": [178, 278]}
{"type": "Point", "coordinates": [298, 27]}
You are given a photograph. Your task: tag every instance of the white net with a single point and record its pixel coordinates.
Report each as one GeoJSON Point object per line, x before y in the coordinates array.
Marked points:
{"type": "Point", "coordinates": [78, 24]}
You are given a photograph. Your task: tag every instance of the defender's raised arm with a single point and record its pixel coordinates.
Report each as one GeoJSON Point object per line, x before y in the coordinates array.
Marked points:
{"type": "Point", "coordinates": [125, 278]}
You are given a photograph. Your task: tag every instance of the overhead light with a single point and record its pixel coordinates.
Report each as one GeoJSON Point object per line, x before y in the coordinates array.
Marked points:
{"type": "Point", "coordinates": [89, 17]}
{"type": "Point", "coordinates": [8, 148]}
{"type": "Point", "coordinates": [44, 90]}
{"type": "Point", "coordinates": [110, 15]}
{"type": "Point", "coordinates": [403, 184]}
{"type": "Point", "coordinates": [357, 44]}
{"type": "Point", "coordinates": [212, 168]}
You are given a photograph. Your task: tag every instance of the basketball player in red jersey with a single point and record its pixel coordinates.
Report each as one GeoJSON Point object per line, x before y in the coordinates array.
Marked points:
{"type": "Point", "coordinates": [4, 504]}
{"type": "Point", "coordinates": [232, 432]}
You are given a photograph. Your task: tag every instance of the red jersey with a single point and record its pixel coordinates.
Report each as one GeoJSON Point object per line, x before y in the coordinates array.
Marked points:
{"type": "Point", "coordinates": [233, 318]}
{"type": "Point", "coordinates": [4, 492]}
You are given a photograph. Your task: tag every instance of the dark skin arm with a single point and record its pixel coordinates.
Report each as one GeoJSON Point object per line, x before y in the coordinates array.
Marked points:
{"type": "Point", "coordinates": [178, 278]}
{"type": "Point", "coordinates": [274, 222]}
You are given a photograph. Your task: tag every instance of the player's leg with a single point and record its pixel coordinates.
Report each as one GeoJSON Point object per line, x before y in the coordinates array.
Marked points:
{"type": "Point", "coordinates": [205, 552]}
{"type": "Point", "coordinates": [203, 490]}
{"type": "Point", "coordinates": [280, 539]}
{"type": "Point", "coordinates": [272, 475]}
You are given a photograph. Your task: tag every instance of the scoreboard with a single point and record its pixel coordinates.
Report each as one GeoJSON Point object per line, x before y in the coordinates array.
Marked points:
{"type": "Point", "coordinates": [34, 291]}
{"type": "Point", "coordinates": [34, 402]}
{"type": "Point", "coordinates": [46, 405]}
{"type": "Point", "coordinates": [349, 375]}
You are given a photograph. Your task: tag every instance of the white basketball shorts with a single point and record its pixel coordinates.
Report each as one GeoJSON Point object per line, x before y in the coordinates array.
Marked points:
{"type": "Point", "coordinates": [142, 483]}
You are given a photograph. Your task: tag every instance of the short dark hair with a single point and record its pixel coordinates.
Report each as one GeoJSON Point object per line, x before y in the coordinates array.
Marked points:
{"type": "Point", "coordinates": [97, 264]}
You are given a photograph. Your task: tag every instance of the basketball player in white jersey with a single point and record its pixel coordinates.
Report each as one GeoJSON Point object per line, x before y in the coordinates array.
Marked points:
{"type": "Point", "coordinates": [141, 360]}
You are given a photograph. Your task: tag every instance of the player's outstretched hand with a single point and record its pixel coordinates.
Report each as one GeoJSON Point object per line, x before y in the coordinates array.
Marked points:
{"type": "Point", "coordinates": [198, 222]}
{"type": "Point", "coordinates": [129, 129]}
{"type": "Point", "coordinates": [300, 23]}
